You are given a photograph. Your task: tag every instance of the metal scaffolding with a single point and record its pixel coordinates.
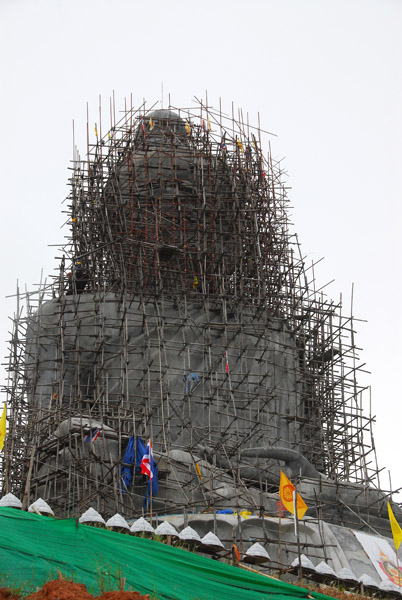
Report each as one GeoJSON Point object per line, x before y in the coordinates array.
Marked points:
{"type": "Point", "coordinates": [182, 311]}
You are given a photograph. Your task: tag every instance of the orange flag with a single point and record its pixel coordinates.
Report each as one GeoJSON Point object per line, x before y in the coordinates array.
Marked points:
{"type": "Point", "coordinates": [286, 489]}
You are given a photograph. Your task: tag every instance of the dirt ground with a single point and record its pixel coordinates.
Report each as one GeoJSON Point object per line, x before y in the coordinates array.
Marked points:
{"type": "Point", "coordinates": [5, 594]}
{"type": "Point", "coordinates": [68, 590]}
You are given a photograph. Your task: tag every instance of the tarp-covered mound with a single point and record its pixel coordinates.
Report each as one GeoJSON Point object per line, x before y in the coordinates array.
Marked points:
{"type": "Point", "coordinates": [34, 549]}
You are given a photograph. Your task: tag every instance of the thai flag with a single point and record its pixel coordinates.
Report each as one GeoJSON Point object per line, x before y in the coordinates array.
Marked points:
{"type": "Point", "coordinates": [147, 463]}
{"type": "Point", "coordinates": [93, 435]}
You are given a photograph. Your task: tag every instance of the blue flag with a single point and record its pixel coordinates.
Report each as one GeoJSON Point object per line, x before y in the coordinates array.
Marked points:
{"type": "Point", "coordinates": [133, 458]}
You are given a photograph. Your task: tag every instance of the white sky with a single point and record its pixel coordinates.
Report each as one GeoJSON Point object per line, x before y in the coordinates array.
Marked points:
{"type": "Point", "coordinates": [325, 76]}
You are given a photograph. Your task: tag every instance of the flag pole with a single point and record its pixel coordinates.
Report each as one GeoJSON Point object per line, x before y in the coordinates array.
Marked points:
{"type": "Point", "coordinates": [150, 485]}
{"type": "Point", "coordinates": [299, 570]}
{"type": "Point", "coordinates": [279, 536]}
{"type": "Point", "coordinates": [6, 458]}
{"type": "Point", "coordinates": [151, 472]}
{"type": "Point", "coordinates": [397, 565]}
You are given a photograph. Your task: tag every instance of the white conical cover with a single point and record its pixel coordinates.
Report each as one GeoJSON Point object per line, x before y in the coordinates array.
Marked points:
{"type": "Point", "coordinates": [258, 550]}
{"type": "Point", "coordinates": [117, 521]}
{"type": "Point", "coordinates": [40, 506]}
{"type": "Point", "coordinates": [346, 573]}
{"type": "Point", "coordinates": [305, 563]}
{"type": "Point", "coordinates": [10, 500]}
{"type": "Point", "coordinates": [91, 516]}
{"type": "Point", "coordinates": [367, 580]}
{"type": "Point", "coordinates": [141, 525]}
{"type": "Point", "coordinates": [324, 569]}
{"type": "Point", "coordinates": [189, 534]}
{"type": "Point", "coordinates": [166, 528]}
{"type": "Point", "coordinates": [388, 586]}
{"type": "Point", "coordinates": [210, 539]}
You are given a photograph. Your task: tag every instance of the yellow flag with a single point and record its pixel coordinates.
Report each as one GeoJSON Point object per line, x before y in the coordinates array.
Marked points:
{"type": "Point", "coordinates": [188, 128]}
{"type": "Point", "coordinates": [396, 530]}
{"type": "Point", "coordinates": [245, 513]}
{"type": "Point", "coordinates": [286, 489]}
{"type": "Point", "coordinates": [96, 130]}
{"type": "Point", "coordinates": [3, 427]}
{"type": "Point", "coordinates": [151, 124]}
{"type": "Point", "coordinates": [240, 146]}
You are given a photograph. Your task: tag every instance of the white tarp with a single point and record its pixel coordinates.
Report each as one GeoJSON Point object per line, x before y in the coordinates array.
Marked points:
{"type": "Point", "coordinates": [382, 556]}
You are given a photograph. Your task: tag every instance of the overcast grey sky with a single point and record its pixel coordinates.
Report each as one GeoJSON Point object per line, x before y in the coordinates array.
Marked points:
{"type": "Point", "coordinates": [325, 76]}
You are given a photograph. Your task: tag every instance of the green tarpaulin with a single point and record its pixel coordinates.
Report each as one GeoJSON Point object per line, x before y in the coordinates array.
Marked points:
{"type": "Point", "coordinates": [34, 548]}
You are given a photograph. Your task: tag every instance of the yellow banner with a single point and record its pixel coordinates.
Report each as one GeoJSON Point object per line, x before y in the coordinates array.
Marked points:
{"type": "Point", "coordinates": [3, 427]}
{"type": "Point", "coordinates": [396, 529]}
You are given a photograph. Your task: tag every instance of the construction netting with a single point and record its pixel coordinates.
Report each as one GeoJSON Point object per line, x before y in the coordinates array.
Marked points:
{"type": "Point", "coordinates": [34, 549]}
